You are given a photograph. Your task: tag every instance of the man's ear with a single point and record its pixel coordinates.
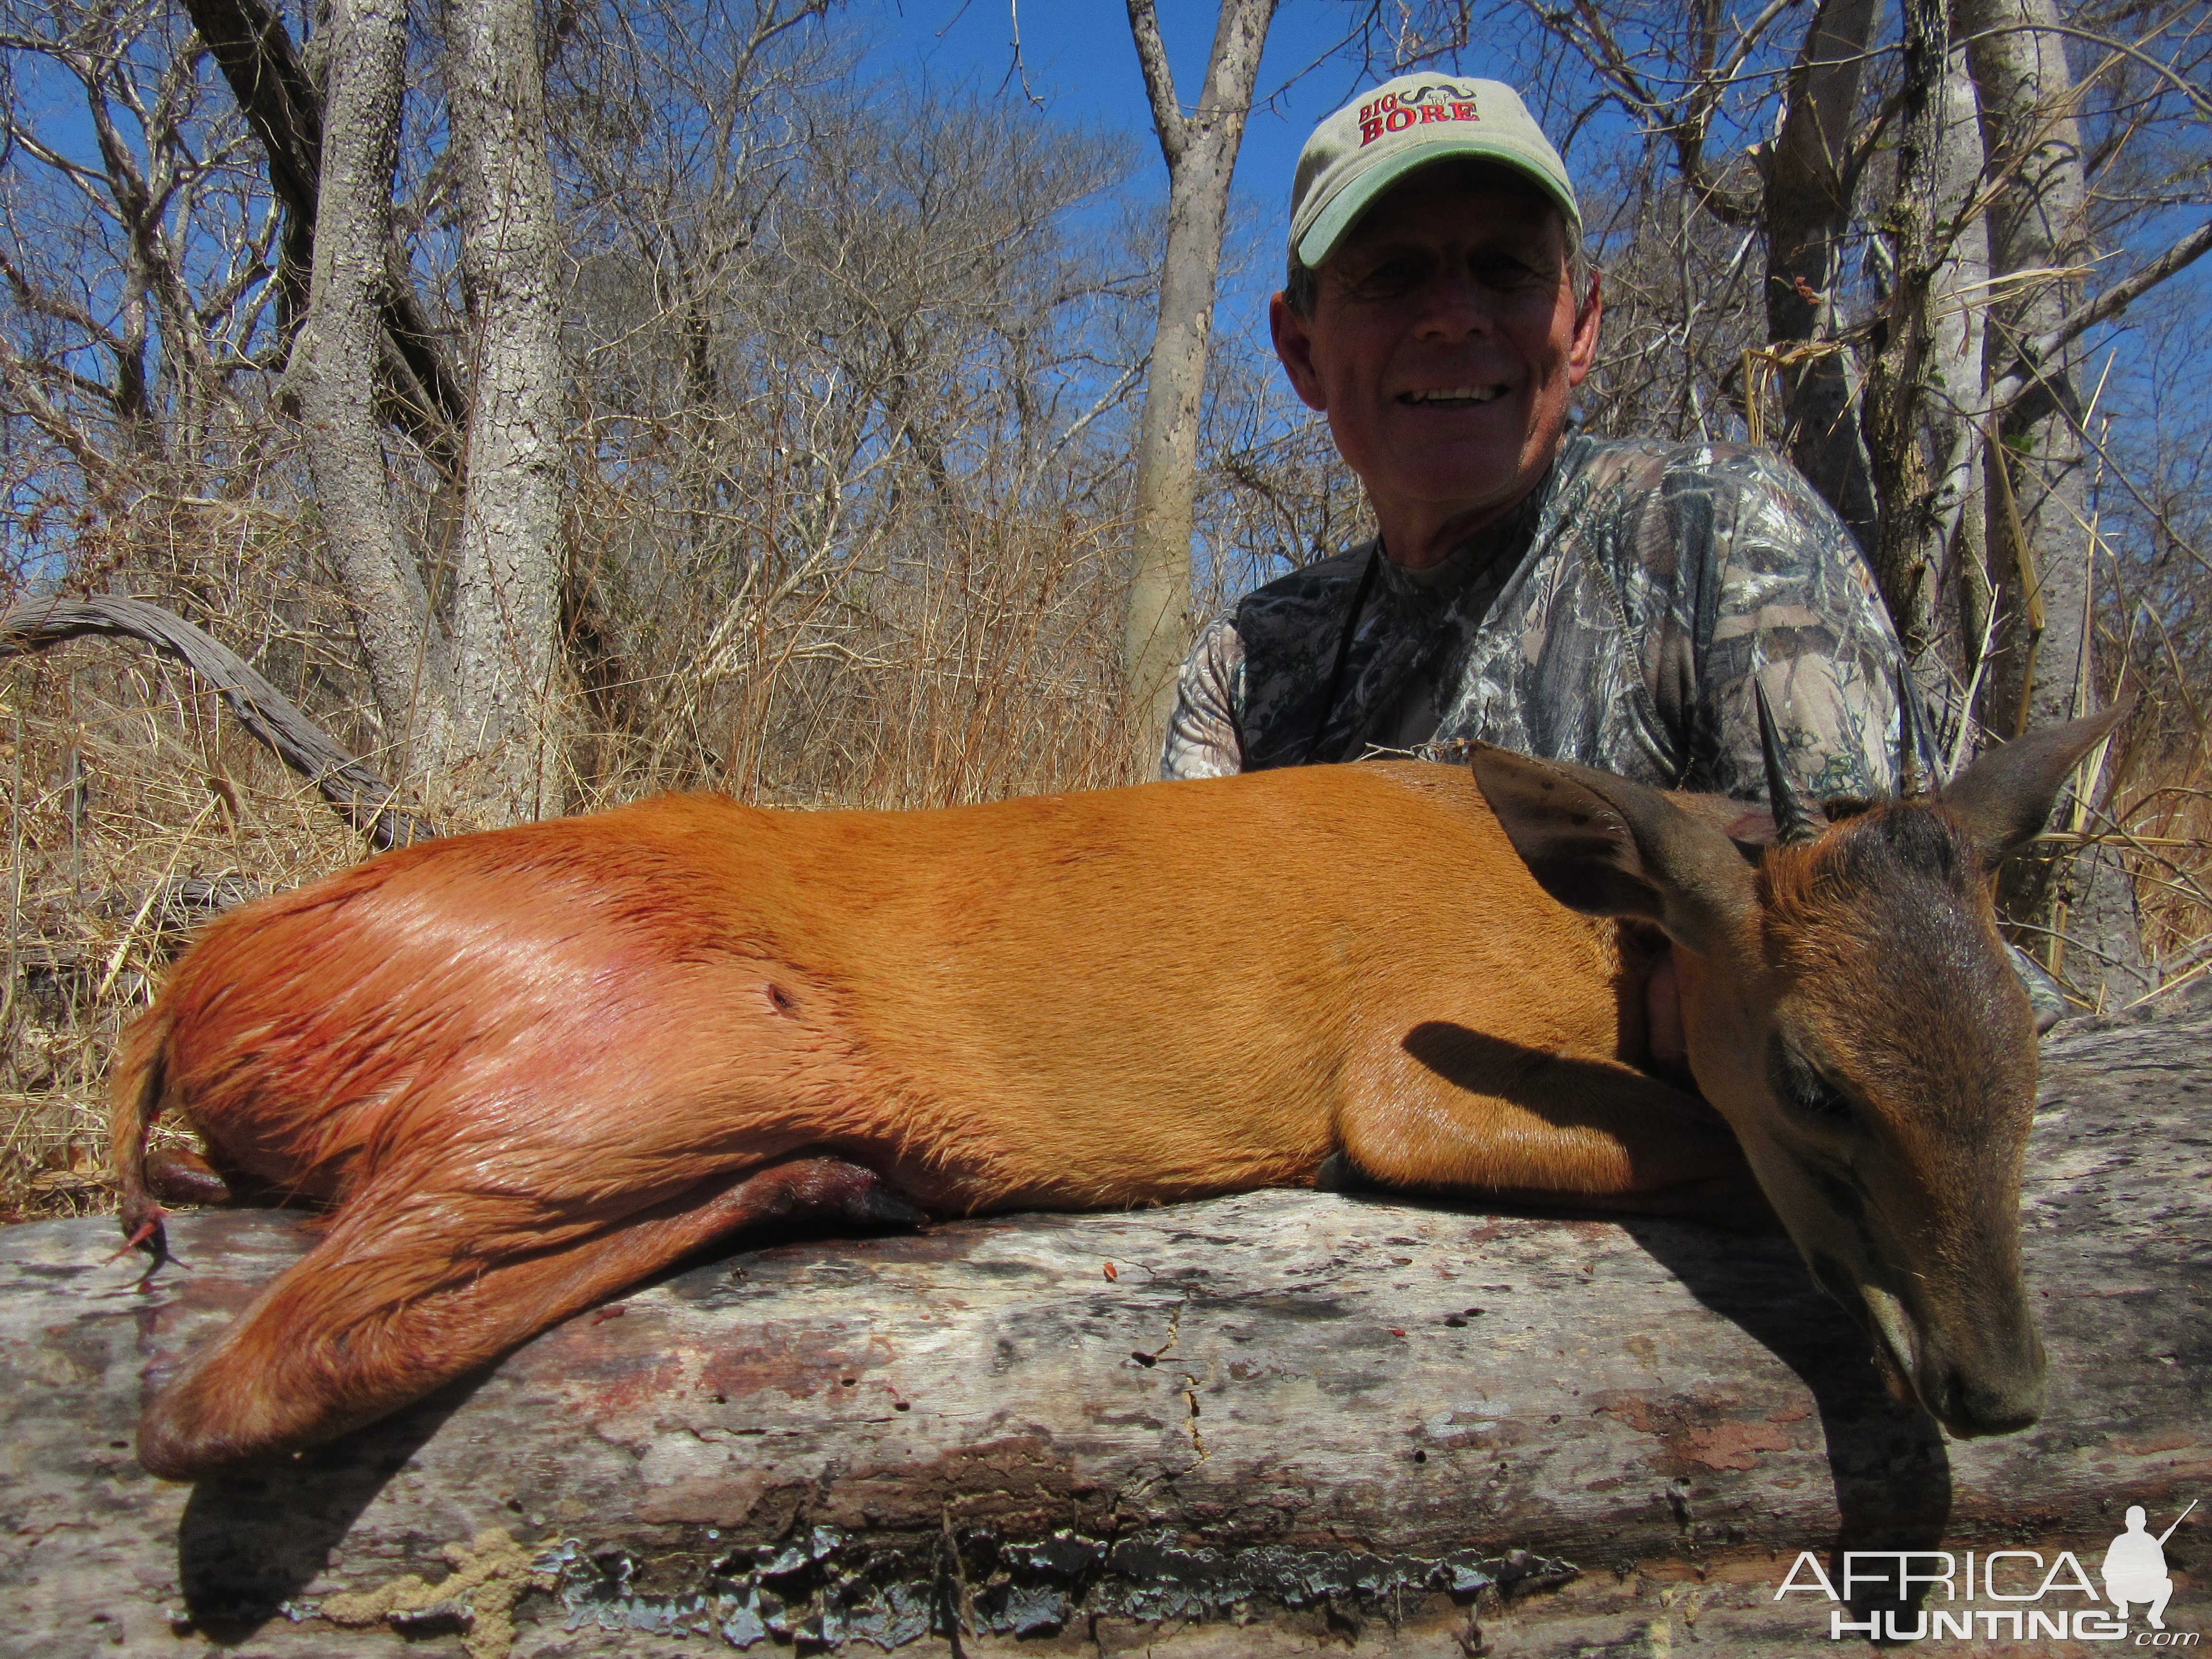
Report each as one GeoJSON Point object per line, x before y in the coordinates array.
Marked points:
{"type": "Point", "coordinates": [1294, 345]}
{"type": "Point", "coordinates": [1589, 313]}
{"type": "Point", "coordinates": [2003, 798]}
{"type": "Point", "coordinates": [1607, 846]}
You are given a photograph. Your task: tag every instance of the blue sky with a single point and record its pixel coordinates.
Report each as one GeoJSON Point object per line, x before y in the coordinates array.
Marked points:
{"type": "Point", "coordinates": [1081, 62]}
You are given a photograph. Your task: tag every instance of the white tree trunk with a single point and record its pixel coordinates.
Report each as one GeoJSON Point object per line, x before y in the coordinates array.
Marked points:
{"type": "Point", "coordinates": [2036, 224]}
{"type": "Point", "coordinates": [2042, 671]}
{"type": "Point", "coordinates": [507, 566]}
{"type": "Point", "coordinates": [333, 376]}
{"type": "Point", "coordinates": [1954, 378]}
{"type": "Point", "coordinates": [1201, 149]}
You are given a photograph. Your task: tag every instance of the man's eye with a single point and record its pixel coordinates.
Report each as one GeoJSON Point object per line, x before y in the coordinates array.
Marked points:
{"type": "Point", "coordinates": [1396, 273]}
{"type": "Point", "coordinates": [1503, 271]}
{"type": "Point", "coordinates": [1800, 1085]}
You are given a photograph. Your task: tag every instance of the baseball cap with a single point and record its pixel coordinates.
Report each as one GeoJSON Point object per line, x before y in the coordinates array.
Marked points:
{"type": "Point", "coordinates": [1379, 137]}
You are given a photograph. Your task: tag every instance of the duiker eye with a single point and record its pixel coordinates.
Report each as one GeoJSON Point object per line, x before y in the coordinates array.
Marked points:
{"type": "Point", "coordinates": [1801, 1086]}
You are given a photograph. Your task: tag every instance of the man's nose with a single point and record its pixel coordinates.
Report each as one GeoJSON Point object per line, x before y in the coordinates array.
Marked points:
{"type": "Point", "coordinates": [1453, 307]}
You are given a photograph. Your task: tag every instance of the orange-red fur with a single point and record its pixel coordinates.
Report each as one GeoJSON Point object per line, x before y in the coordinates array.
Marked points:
{"type": "Point", "coordinates": [528, 1068]}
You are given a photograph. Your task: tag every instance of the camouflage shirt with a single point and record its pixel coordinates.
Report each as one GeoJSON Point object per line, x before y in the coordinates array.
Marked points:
{"type": "Point", "coordinates": [1616, 618]}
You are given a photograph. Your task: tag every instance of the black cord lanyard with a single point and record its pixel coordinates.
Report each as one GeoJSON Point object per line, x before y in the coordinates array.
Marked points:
{"type": "Point", "coordinates": [1343, 651]}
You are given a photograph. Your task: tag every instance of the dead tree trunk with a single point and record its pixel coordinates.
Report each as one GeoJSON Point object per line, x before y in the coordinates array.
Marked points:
{"type": "Point", "coordinates": [360, 795]}
{"type": "Point", "coordinates": [1201, 149]}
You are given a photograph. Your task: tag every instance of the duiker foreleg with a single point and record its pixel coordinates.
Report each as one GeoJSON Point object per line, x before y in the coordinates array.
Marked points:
{"type": "Point", "coordinates": [1539, 1128]}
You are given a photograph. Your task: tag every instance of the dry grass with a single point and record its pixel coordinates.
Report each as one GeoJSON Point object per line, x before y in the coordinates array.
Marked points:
{"type": "Point", "coordinates": [122, 788]}
{"type": "Point", "coordinates": [980, 671]}
{"type": "Point", "coordinates": [2168, 846]}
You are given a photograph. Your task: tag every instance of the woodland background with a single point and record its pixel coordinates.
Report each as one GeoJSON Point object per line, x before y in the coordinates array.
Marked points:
{"type": "Point", "coordinates": [561, 403]}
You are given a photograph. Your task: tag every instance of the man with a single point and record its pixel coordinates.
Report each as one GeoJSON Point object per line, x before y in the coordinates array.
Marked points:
{"type": "Point", "coordinates": [1604, 601]}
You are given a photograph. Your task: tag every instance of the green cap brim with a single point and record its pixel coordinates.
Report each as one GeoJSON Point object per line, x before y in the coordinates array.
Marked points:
{"type": "Point", "coordinates": [1343, 210]}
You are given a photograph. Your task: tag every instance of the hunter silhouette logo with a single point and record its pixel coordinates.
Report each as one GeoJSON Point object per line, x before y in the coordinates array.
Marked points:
{"type": "Point", "coordinates": [2134, 1571]}
{"type": "Point", "coordinates": [2134, 1567]}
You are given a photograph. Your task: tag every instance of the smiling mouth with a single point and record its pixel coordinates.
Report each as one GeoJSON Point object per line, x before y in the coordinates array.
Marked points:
{"type": "Point", "coordinates": [1454, 397]}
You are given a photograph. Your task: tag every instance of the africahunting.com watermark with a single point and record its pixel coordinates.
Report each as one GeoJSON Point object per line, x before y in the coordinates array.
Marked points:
{"type": "Point", "coordinates": [2012, 1595]}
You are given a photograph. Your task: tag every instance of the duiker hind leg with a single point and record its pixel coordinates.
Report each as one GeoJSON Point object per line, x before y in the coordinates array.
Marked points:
{"type": "Point", "coordinates": [178, 1176]}
{"type": "Point", "coordinates": [408, 1292]}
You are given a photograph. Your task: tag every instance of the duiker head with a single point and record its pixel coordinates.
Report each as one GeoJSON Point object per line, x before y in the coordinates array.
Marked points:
{"type": "Point", "coordinates": [1851, 1010]}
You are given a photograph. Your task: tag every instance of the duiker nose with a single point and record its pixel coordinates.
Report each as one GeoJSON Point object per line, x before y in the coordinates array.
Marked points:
{"type": "Point", "coordinates": [1998, 1390]}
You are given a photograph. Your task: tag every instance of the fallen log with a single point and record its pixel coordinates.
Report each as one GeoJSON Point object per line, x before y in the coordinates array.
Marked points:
{"type": "Point", "coordinates": [1260, 1424]}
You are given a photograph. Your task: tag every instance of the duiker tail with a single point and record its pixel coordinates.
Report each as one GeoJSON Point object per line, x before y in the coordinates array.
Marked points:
{"type": "Point", "coordinates": [140, 1078]}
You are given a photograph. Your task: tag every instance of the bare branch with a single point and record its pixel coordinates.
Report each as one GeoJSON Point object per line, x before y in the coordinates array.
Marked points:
{"type": "Point", "coordinates": [2115, 299]}
{"type": "Point", "coordinates": [1159, 79]}
{"type": "Point", "coordinates": [1685, 126]}
{"type": "Point", "coordinates": [364, 798]}
{"type": "Point", "coordinates": [1749, 38]}
{"type": "Point", "coordinates": [55, 423]}
{"type": "Point", "coordinates": [2164, 72]}
{"type": "Point", "coordinates": [1019, 67]}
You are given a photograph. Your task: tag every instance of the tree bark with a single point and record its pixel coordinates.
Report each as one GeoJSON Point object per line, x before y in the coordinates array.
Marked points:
{"type": "Point", "coordinates": [1200, 150]}
{"type": "Point", "coordinates": [471, 700]}
{"type": "Point", "coordinates": [1806, 206]}
{"type": "Point", "coordinates": [508, 572]}
{"type": "Point", "coordinates": [1903, 563]}
{"type": "Point", "coordinates": [2041, 671]}
{"type": "Point", "coordinates": [266, 76]}
{"type": "Point", "coordinates": [1952, 383]}
{"type": "Point", "coordinates": [333, 376]}
{"type": "Point", "coordinates": [1924, 407]}
{"type": "Point", "coordinates": [284, 106]}
{"type": "Point", "coordinates": [2036, 224]}
{"type": "Point", "coordinates": [1284, 1413]}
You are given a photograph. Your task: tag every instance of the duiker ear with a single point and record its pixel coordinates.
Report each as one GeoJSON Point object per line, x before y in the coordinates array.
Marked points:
{"type": "Point", "coordinates": [1607, 846]}
{"type": "Point", "coordinates": [2003, 798]}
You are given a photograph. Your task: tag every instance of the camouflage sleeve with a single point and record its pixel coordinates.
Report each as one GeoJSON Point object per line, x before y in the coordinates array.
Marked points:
{"type": "Point", "coordinates": [1795, 605]}
{"type": "Point", "coordinates": [1202, 734]}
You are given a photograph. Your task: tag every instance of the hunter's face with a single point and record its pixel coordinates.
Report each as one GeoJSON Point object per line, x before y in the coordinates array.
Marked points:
{"type": "Point", "coordinates": [1445, 344]}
